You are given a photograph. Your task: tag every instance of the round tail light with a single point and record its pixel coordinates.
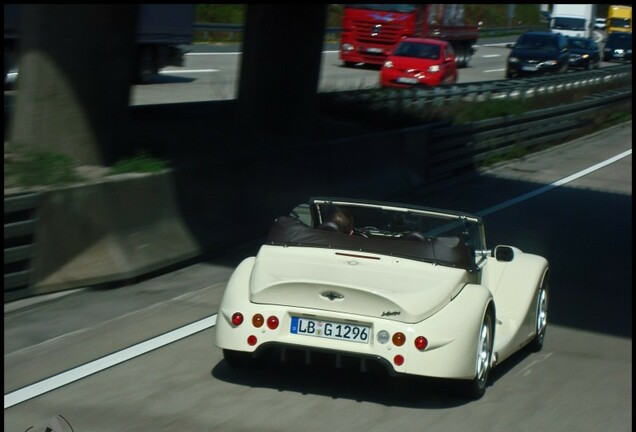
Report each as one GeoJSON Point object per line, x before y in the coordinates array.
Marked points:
{"type": "Point", "coordinates": [421, 343]}
{"type": "Point", "coordinates": [398, 339]}
{"type": "Point", "coordinates": [258, 320]}
{"type": "Point", "coordinates": [272, 323]}
{"type": "Point", "coordinates": [251, 340]}
{"type": "Point", "coordinates": [398, 360]}
{"type": "Point", "coordinates": [237, 318]}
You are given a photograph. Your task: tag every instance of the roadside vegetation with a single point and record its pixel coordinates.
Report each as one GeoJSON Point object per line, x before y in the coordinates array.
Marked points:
{"type": "Point", "coordinates": [30, 168]}
{"type": "Point", "coordinates": [391, 108]}
{"type": "Point", "coordinates": [25, 168]}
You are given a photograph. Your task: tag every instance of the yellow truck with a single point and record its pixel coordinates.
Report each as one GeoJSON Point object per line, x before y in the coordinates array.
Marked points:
{"type": "Point", "coordinates": [619, 19]}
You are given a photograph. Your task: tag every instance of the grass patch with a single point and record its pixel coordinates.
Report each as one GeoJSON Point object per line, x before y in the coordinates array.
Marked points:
{"type": "Point", "coordinates": [142, 163]}
{"type": "Point", "coordinates": [40, 168]}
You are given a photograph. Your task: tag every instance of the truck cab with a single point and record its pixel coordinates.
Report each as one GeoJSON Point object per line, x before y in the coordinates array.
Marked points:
{"type": "Point", "coordinates": [574, 20]}
{"type": "Point", "coordinates": [619, 19]}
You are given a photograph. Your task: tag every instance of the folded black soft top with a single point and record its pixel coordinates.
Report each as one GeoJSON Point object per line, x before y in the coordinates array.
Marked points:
{"type": "Point", "coordinates": [447, 251]}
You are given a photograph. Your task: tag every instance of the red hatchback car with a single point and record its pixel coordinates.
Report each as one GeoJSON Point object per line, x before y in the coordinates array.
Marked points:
{"type": "Point", "coordinates": [419, 62]}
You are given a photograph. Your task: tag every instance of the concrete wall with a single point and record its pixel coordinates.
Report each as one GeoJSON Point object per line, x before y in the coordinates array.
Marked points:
{"type": "Point", "coordinates": [109, 231]}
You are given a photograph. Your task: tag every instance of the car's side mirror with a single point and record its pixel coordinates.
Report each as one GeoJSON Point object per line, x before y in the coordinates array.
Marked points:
{"type": "Point", "coordinates": [504, 253]}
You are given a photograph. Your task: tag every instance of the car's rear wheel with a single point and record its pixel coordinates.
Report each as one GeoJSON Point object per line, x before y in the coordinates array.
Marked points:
{"type": "Point", "coordinates": [541, 317]}
{"type": "Point", "coordinates": [475, 388]}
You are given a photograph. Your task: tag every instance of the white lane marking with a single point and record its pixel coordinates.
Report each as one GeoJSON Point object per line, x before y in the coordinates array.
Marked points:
{"type": "Point", "coordinates": [494, 70]}
{"type": "Point", "coordinates": [491, 55]}
{"type": "Point", "coordinates": [178, 71]}
{"type": "Point", "coordinates": [238, 53]}
{"type": "Point", "coordinates": [98, 365]}
{"type": "Point", "coordinates": [110, 360]}
{"type": "Point", "coordinates": [83, 330]}
{"type": "Point", "coordinates": [213, 53]}
{"type": "Point", "coordinates": [551, 186]}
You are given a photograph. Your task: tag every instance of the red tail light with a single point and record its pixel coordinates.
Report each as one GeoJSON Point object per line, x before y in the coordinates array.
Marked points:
{"type": "Point", "coordinates": [237, 318]}
{"type": "Point", "coordinates": [251, 340]}
{"type": "Point", "coordinates": [398, 360]}
{"type": "Point", "coordinates": [421, 343]}
{"type": "Point", "coordinates": [272, 323]}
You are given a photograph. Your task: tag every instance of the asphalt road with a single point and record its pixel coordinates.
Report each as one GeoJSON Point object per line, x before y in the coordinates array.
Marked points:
{"type": "Point", "coordinates": [581, 381]}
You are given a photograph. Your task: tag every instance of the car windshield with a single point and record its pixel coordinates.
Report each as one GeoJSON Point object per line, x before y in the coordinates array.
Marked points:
{"type": "Point", "coordinates": [579, 43]}
{"type": "Point", "coordinates": [533, 42]}
{"type": "Point", "coordinates": [620, 22]}
{"type": "Point", "coordinates": [417, 50]}
{"type": "Point", "coordinates": [419, 233]}
{"type": "Point", "coordinates": [563, 23]}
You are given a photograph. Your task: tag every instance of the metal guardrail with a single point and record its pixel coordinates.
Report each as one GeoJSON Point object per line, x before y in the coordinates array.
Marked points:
{"type": "Point", "coordinates": [455, 149]}
{"type": "Point", "coordinates": [419, 98]}
{"type": "Point", "coordinates": [19, 243]}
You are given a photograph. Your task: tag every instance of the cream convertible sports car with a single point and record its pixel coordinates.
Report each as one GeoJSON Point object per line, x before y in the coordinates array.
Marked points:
{"type": "Point", "coordinates": [413, 289]}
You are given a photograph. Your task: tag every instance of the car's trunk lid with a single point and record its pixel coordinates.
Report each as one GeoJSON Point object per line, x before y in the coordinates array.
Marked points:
{"type": "Point", "coordinates": [353, 282]}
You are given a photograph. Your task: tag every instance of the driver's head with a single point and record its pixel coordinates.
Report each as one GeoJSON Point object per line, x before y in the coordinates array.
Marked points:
{"type": "Point", "coordinates": [344, 220]}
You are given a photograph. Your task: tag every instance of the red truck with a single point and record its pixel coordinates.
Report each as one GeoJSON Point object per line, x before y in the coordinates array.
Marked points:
{"type": "Point", "coordinates": [369, 31]}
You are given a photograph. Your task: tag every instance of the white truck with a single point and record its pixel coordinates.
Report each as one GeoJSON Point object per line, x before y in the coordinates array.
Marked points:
{"type": "Point", "coordinates": [576, 20]}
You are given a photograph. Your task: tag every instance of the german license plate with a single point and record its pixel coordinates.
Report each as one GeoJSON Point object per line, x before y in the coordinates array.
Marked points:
{"type": "Point", "coordinates": [375, 50]}
{"type": "Point", "coordinates": [530, 68]}
{"type": "Point", "coordinates": [406, 80]}
{"type": "Point", "coordinates": [330, 330]}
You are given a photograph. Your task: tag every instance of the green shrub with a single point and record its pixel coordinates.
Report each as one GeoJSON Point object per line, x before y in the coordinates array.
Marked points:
{"type": "Point", "coordinates": [142, 163]}
{"type": "Point", "coordinates": [40, 168]}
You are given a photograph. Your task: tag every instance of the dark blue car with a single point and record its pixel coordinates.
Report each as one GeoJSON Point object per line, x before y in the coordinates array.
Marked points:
{"type": "Point", "coordinates": [584, 53]}
{"type": "Point", "coordinates": [538, 52]}
{"type": "Point", "coordinates": [618, 47]}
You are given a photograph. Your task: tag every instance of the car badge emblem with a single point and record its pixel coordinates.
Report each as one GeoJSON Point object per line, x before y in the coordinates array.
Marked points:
{"type": "Point", "coordinates": [376, 30]}
{"type": "Point", "coordinates": [390, 313]}
{"type": "Point", "coordinates": [331, 295]}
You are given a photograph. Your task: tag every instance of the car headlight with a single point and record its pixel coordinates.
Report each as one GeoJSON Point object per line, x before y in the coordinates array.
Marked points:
{"type": "Point", "coordinates": [585, 56]}
{"type": "Point", "coordinates": [347, 47]}
{"type": "Point", "coordinates": [550, 62]}
{"type": "Point", "coordinates": [388, 64]}
{"type": "Point", "coordinates": [513, 60]}
{"type": "Point", "coordinates": [433, 69]}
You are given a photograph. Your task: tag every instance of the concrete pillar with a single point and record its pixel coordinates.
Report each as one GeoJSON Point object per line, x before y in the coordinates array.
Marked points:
{"type": "Point", "coordinates": [280, 69]}
{"type": "Point", "coordinates": [74, 80]}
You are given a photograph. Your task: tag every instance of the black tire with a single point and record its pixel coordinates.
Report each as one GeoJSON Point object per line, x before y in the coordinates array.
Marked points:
{"type": "Point", "coordinates": [541, 317]}
{"type": "Point", "coordinates": [240, 359]}
{"type": "Point", "coordinates": [463, 54]}
{"type": "Point", "coordinates": [474, 389]}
